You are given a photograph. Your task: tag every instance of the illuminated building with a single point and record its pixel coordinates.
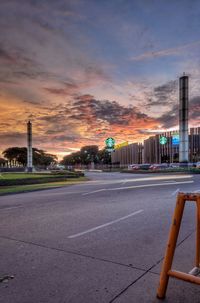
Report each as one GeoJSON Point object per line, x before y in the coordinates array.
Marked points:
{"type": "Point", "coordinates": [153, 151]}
{"type": "Point", "coordinates": [132, 153]}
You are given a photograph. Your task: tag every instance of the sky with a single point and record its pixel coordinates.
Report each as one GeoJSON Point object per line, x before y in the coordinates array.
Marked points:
{"type": "Point", "coordinates": [86, 70]}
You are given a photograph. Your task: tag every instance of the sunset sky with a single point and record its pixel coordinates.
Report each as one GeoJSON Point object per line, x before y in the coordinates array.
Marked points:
{"type": "Point", "coordinates": [85, 70]}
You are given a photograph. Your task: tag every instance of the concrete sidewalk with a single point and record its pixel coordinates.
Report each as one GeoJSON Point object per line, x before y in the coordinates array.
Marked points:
{"type": "Point", "coordinates": [144, 290]}
{"type": "Point", "coordinates": [46, 275]}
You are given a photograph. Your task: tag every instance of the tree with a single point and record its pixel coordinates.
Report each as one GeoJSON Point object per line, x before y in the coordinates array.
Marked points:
{"type": "Point", "coordinates": [71, 159]}
{"type": "Point", "coordinates": [19, 155]}
{"type": "Point", "coordinates": [88, 154]}
{"type": "Point", "coordinates": [16, 154]}
{"type": "Point", "coordinates": [2, 161]}
{"type": "Point", "coordinates": [40, 158]}
{"type": "Point", "coordinates": [104, 156]}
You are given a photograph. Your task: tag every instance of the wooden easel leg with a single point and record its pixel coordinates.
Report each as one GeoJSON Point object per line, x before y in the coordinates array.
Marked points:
{"type": "Point", "coordinates": [169, 254]}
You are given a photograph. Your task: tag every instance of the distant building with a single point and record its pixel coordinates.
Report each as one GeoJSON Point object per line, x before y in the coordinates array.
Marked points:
{"type": "Point", "coordinates": [155, 150]}
{"type": "Point", "coordinates": [132, 153]}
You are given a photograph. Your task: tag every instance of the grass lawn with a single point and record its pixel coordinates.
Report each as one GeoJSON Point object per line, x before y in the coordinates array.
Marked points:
{"type": "Point", "coordinates": [14, 179]}
{"type": "Point", "coordinates": [32, 187]}
{"type": "Point", "coordinates": [9, 176]}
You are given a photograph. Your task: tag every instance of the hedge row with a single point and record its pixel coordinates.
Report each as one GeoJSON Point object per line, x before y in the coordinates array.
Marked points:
{"type": "Point", "coordinates": [36, 180]}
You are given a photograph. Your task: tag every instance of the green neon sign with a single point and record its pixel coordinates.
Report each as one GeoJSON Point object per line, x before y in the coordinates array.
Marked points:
{"type": "Point", "coordinates": [163, 140]}
{"type": "Point", "coordinates": [110, 142]}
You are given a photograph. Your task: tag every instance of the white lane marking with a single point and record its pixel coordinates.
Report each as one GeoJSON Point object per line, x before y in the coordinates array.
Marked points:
{"type": "Point", "coordinates": [139, 186]}
{"type": "Point", "coordinates": [175, 192]}
{"type": "Point", "coordinates": [104, 225]}
{"type": "Point", "coordinates": [92, 192]}
{"type": "Point", "coordinates": [150, 185]}
{"type": "Point", "coordinates": [166, 181]}
{"type": "Point", "coordinates": [62, 193]}
{"type": "Point", "coordinates": [124, 182]}
{"type": "Point", "coordinates": [101, 182]}
{"type": "Point", "coordinates": [11, 207]}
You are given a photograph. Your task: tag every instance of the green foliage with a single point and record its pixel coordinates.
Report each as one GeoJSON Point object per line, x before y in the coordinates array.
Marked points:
{"type": "Point", "coordinates": [66, 172]}
{"type": "Point", "coordinates": [14, 176]}
{"type": "Point", "coordinates": [87, 154]}
{"type": "Point", "coordinates": [40, 158]}
{"type": "Point", "coordinates": [4, 190]}
{"type": "Point", "coordinates": [2, 161]}
{"type": "Point", "coordinates": [104, 157]}
{"type": "Point", "coordinates": [19, 155]}
{"type": "Point", "coordinates": [8, 179]}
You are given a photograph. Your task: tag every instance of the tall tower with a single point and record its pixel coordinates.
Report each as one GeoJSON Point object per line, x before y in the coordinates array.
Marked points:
{"type": "Point", "coordinates": [183, 119]}
{"type": "Point", "coordinates": [29, 147]}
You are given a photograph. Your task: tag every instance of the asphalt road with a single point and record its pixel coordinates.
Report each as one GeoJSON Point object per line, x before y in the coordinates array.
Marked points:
{"type": "Point", "coordinates": [100, 241]}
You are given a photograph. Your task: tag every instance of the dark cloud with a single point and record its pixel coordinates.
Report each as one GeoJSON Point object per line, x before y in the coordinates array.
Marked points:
{"type": "Point", "coordinates": [33, 102]}
{"type": "Point", "coordinates": [109, 111]}
{"type": "Point", "coordinates": [55, 118]}
{"type": "Point", "coordinates": [167, 88]}
{"type": "Point", "coordinates": [93, 72]}
{"type": "Point", "coordinates": [163, 95]}
{"type": "Point", "coordinates": [62, 129]}
{"type": "Point", "coordinates": [66, 138]}
{"type": "Point", "coordinates": [32, 73]}
{"type": "Point", "coordinates": [17, 64]}
{"type": "Point", "coordinates": [69, 88]}
{"type": "Point", "coordinates": [56, 91]}
{"type": "Point", "coordinates": [164, 92]}
{"type": "Point", "coordinates": [15, 56]}
{"type": "Point", "coordinates": [5, 81]}
{"type": "Point", "coordinates": [194, 109]}
{"type": "Point", "coordinates": [86, 119]}
{"type": "Point", "coordinates": [171, 118]}
{"type": "Point", "coordinates": [4, 55]}
{"type": "Point", "coordinates": [14, 138]}
{"type": "Point", "coordinates": [89, 76]}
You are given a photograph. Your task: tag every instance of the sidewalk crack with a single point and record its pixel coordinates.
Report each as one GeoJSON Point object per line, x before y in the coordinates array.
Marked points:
{"type": "Point", "coordinates": [148, 270]}
{"type": "Point", "coordinates": [73, 253]}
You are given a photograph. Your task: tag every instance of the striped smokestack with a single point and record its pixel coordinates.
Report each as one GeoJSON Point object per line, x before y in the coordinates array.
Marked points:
{"type": "Point", "coordinates": [29, 147]}
{"type": "Point", "coordinates": [183, 119]}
